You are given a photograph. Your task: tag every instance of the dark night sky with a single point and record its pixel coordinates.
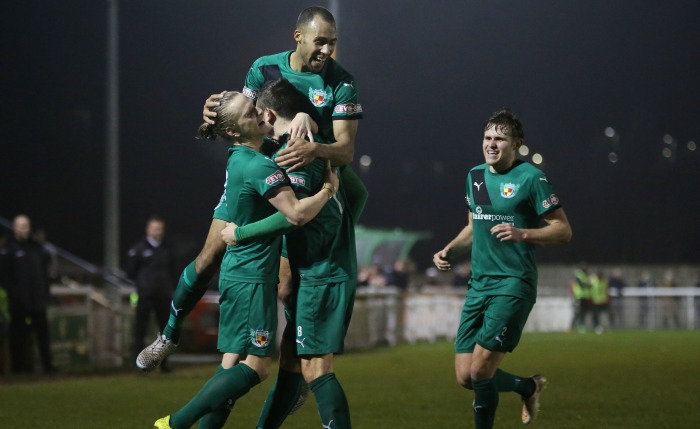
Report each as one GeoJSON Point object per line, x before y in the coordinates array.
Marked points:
{"type": "Point", "coordinates": [429, 75]}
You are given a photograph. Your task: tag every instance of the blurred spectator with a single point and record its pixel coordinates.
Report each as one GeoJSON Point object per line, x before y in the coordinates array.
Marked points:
{"type": "Point", "coordinates": [600, 300]}
{"type": "Point", "coordinates": [151, 266]}
{"type": "Point", "coordinates": [399, 275]}
{"type": "Point", "coordinates": [617, 284]}
{"type": "Point", "coordinates": [24, 274]}
{"type": "Point", "coordinates": [645, 281]}
{"type": "Point", "coordinates": [581, 293]}
{"type": "Point", "coordinates": [462, 275]}
{"type": "Point", "coordinates": [39, 236]}
{"type": "Point", "coordinates": [669, 304]}
{"type": "Point", "coordinates": [371, 276]}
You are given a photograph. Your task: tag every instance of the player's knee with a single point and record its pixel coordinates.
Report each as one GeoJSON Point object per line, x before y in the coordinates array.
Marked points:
{"type": "Point", "coordinates": [284, 293]}
{"type": "Point", "coordinates": [464, 380]}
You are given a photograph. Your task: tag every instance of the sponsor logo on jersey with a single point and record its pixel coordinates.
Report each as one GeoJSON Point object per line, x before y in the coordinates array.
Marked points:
{"type": "Point", "coordinates": [348, 108]}
{"type": "Point", "coordinates": [296, 180]}
{"type": "Point", "coordinates": [478, 185]}
{"type": "Point", "coordinates": [469, 201]}
{"type": "Point", "coordinates": [260, 338]}
{"type": "Point", "coordinates": [480, 215]}
{"type": "Point", "coordinates": [553, 200]}
{"type": "Point", "coordinates": [275, 177]}
{"type": "Point", "coordinates": [508, 190]}
{"type": "Point", "coordinates": [319, 97]}
{"type": "Point", "coordinates": [250, 93]}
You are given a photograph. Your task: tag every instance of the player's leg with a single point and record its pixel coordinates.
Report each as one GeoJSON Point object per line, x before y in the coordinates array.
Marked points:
{"type": "Point", "coordinates": [248, 358]}
{"type": "Point", "coordinates": [191, 286]}
{"type": "Point", "coordinates": [290, 390]}
{"type": "Point", "coordinates": [194, 280]}
{"type": "Point", "coordinates": [323, 313]}
{"type": "Point", "coordinates": [227, 385]}
{"type": "Point", "coordinates": [283, 398]}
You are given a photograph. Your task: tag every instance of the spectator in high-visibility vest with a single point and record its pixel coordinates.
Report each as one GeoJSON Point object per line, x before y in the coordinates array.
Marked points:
{"type": "Point", "coordinates": [581, 292]}
{"type": "Point", "coordinates": [600, 299]}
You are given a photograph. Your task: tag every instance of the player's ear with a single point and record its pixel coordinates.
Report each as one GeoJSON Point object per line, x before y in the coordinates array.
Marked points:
{"type": "Point", "coordinates": [297, 35]}
{"type": "Point", "coordinates": [269, 116]}
{"type": "Point", "coordinates": [230, 131]}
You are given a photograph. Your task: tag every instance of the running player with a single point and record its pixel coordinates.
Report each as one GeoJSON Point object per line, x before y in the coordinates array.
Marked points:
{"type": "Point", "coordinates": [507, 198]}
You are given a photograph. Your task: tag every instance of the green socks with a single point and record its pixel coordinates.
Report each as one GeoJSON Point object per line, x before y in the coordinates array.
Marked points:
{"type": "Point", "coordinates": [506, 382]}
{"type": "Point", "coordinates": [485, 403]}
{"type": "Point", "coordinates": [280, 400]}
{"type": "Point", "coordinates": [332, 403]}
{"type": "Point", "coordinates": [217, 418]}
{"type": "Point", "coordinates": [226, 385]}
{"type": "Point", "coordinates": [189, 291]}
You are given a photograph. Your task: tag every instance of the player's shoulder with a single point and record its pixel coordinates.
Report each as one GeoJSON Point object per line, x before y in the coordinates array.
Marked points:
{"type": "Point", "coordinates": [336, 73]}
{"type": "Point", "coordinates": [273, 59]}
{"type": "Point", "coordinates": [528, 169]}
{"type": "Point", "coordinates": [480, 167]}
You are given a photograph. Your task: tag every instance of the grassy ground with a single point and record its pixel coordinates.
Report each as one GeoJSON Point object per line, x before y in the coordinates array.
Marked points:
{"type": "Point", "coordinates": [615, 380]}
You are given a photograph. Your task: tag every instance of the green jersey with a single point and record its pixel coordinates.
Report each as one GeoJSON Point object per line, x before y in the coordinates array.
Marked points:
{"type": "Point", "coordinates": [520, 196]}
{"type": "Point", "coordinates": [323, 250]}
{"type": "Point", "coordinates": [332, 92]}
{"type": "Point", "coordinates": [250, 177]}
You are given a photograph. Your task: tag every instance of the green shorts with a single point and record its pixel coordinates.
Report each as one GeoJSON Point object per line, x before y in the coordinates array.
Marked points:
{"type": "Point", "coordinates": [494, 322]}
{"type": "Point", "coordinates": [248, 318]}
{"type": "Point", "coordinates": [323, 315]}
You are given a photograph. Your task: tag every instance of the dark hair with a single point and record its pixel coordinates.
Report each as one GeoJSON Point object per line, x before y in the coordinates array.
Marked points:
{"type": "Point", "coordinates": [307, 15]}
{"type": "Point", "coordinates": [155, 218]}
{"type": "Point", "coordinates": [282, 97]}
{"type": "Point", "coordinates": [506, 122]}
{"type": "Point", "coordinates": [222, 121]}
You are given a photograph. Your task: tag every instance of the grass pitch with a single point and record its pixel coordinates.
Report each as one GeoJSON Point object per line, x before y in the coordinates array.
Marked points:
{"type": "Point", "coordinates": [615, 380]}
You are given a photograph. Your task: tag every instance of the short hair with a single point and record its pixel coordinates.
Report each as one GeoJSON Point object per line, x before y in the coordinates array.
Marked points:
{"type": "Point", "coordinates": [282, 97]}
{"type": "Point", "coordinates": [155, 218]}
{"type": "Point", "coordinates": [222, 121]}
{"type": "Point", "coordinates": [307, 15]}
{"type": "Point", "coordinates": [506, 122]}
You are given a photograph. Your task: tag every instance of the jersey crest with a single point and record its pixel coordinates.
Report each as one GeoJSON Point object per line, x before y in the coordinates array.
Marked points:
{"type": "Point", "coordinates": [320, 97]}
{"type": "Point", "coordinates": [260, 338]}
{"type": "Point", "coordinates": [508, 190]}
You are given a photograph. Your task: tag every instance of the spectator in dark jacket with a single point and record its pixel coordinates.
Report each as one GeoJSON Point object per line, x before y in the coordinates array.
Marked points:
{"type": "Point", "coordinates": [24, 274]}
{"type": "Point", "coordinates": [150, 264]}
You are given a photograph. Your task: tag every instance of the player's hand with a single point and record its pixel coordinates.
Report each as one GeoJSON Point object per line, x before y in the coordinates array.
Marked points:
{"type": "Point", "coordinates": [302, 126]}
{"type": "Point", "coordinates": [441, 262]}
{"type": "Point", "coordinates": [507, 232]}
{"type": "Point", "coordinates": [298, 153]}
{"type": "Point", "coordinates": [211, 103]}
{"type": "Point", "coordinates": [331, 177]}
{"type": "Point", "coordinates": [228, 234]}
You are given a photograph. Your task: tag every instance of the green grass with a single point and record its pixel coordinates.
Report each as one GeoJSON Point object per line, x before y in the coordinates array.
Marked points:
{"type": "Point", "coordinates": [615, 380]}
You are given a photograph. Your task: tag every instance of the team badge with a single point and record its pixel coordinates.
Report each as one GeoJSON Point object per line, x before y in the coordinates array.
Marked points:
{"type": "Point", "coordinates": [319, 97]}
{"type": "Point", "coordinates": [508, 190]}
{"type": "Point", "coordinates": [260, 338]}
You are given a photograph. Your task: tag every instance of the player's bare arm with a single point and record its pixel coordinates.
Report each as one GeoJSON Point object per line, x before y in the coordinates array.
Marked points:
{"type": "Point", "coordinates": [299, 153]}
{"type": "Point", "coordinates": [459, 245]}
{"type": "Point", "coordinates": [556, 231]}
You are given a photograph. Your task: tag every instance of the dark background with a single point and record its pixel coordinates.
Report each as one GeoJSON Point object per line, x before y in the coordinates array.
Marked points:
{"type": "Point", "coordinates": [429, 75]}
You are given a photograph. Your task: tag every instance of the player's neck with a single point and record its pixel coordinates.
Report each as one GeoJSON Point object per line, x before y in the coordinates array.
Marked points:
{"type": "Point", "coordinates": [252, 144]}
{"type": "Point", "coordinates": [281, 127]}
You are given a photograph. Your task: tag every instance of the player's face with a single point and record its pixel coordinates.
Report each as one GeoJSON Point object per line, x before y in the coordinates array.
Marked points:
{"type": "Point", "coordinates": [248, 118]}
{"type": "Point", "coordinates": [315, 44]}
{"type": "Point", "coordinates": [499, 148]}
